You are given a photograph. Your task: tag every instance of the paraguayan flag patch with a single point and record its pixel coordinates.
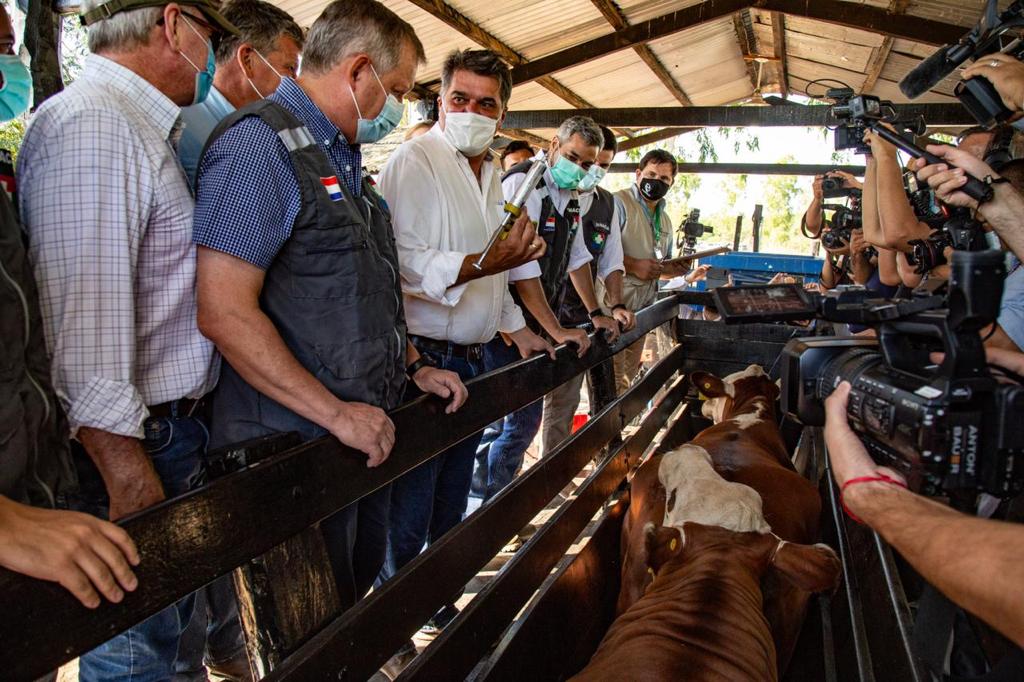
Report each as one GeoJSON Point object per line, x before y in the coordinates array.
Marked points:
{"type": "Point", "coordinates": [333, 187]}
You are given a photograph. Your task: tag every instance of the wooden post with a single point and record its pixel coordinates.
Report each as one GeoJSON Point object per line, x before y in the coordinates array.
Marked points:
{"type": "Point", "coordinates": [42, 38]}
{"type": "Point", "coordinates": [757, 227]}
{"type": "Point", "coordinates": [739, 232]}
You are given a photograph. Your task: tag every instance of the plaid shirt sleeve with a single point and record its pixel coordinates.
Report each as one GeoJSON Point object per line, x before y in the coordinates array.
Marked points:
{"type": "Point", "coordinates": [86, 192]}
{"type": "Point", "coordinates": [247, 195]}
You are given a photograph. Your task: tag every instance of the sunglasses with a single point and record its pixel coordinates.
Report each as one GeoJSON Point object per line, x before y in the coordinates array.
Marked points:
{"type": "Point", "coordinates": [216, 34]}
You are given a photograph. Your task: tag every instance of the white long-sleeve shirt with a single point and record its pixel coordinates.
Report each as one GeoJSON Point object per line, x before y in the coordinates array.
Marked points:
{"type": "Point", "coordinates": [441, 213]}
{"type": "Point", "coordinates": [579, 255]}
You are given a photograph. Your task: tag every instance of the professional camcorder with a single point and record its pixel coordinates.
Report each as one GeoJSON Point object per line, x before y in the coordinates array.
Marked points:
{"type": "Point", "coordinates": [855, 114]}
{"type": "Point", "coordinates": [995, 32]}
{"type": "Point", "coordinates": [946, 427]}
{"type": "Point", "coordinates": [691, 232]}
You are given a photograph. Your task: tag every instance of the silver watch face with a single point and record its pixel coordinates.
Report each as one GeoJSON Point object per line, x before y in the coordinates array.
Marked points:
{"type": "Point", "coordinates": [658, 253]}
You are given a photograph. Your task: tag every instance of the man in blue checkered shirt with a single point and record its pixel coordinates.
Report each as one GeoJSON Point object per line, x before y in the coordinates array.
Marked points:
{"type": "Point", "coordinates": [298, 281]}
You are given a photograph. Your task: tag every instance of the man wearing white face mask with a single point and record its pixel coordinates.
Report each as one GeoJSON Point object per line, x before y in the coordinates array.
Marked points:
{"type": "Point", "coordinates": [446, 200]}
{"type": "Point", "coordinates": [249, 67]}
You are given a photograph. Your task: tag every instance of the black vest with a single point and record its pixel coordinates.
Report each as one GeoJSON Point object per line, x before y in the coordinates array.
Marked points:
{"type": "Point", "coordinates": [333, 293]}
{"type": "Point", "coordinates": [558, 232]}
{"type": "Point", "coordinates": [597, 225]}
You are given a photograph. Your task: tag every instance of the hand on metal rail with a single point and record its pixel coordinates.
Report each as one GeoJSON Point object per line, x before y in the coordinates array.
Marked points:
{"type": "Point", "coordinates": [607, 327]}
{"type": "Point", "coordinates": [365, 428]}
{"type": "Point", "coordinates": [443, 383]}
{"type": "Point", "coordinates": [577, 337]}
{"type": "Point", "coordinates": [529, 343]}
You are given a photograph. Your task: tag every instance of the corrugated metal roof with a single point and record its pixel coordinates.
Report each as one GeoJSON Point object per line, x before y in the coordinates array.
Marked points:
{"type": "Point", "coordinates": [707, 61]}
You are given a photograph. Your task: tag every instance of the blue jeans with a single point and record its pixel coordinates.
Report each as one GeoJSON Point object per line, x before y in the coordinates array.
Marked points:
{"type": "Point", "coordinates": [431, 499]}
{"type": "Point", "coordinates": [147, 651]}
{"type": "Point", "coordinates": [518, 431]}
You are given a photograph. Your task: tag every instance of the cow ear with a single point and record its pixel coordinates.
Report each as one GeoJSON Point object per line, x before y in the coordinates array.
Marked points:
{"type": "Point", "coordinates": [814, 568]}
{"type": "Point", "coordinates": [662, 543]}
{"type": "Point", "coordinates": [708, 384]}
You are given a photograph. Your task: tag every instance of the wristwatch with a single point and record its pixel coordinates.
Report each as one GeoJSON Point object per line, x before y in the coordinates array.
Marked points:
{"type": "Point", "coordinates": [596, 312]}
{"type": "Point", "coordinates": [421, 362]}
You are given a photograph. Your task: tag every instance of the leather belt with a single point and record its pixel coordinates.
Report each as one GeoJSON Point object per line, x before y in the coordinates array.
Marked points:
{"type": "Point", "coordinates": [473, 352]}
{"type": "Point", "coordinates": [181, 408]}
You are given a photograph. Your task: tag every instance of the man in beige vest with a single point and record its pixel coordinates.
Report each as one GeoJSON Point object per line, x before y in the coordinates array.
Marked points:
{"type": "Point", "coordinates": [647, 236]}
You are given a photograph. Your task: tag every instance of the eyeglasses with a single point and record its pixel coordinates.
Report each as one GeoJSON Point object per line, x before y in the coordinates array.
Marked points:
{"type": "Point", "coordinates": [216, 34]}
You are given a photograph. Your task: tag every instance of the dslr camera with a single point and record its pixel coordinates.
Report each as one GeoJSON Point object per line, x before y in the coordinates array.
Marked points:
{"type": "Point", "coordinates": [843, 221]}
{"type": "Point", "coordinates": [855, 114]}
{"type": "Point", "coordinates": [949, 428]}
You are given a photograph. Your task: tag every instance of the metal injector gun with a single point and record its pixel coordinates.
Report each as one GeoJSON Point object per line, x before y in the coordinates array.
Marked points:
{"type": "Point", "coordinates": [513, 208]}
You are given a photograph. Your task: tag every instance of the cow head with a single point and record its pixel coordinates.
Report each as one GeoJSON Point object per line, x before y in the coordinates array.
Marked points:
{"type": "Point", "coordinates": [814, 568]}
{"type": "Point", "coordinates": [730, 395]}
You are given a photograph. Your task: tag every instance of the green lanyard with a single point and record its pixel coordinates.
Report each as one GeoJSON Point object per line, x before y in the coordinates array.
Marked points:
{"type": "Point", "coordinates": [655, 222]}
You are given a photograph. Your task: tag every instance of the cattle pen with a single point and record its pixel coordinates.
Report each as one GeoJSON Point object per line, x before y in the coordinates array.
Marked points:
{"type": "Point", "coordinates": [541, 616]}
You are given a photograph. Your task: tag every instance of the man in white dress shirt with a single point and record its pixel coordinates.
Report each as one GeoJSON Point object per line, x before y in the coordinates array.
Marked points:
{"type": "Point", "coordinates": [446, 200]}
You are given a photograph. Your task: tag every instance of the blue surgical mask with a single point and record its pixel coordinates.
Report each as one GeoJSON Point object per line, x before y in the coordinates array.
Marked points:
{"type": "Point", "coordinates": [567, 175]}
{"type": "Point", "coordinates": [372, 130]}
{"type": "Point", "coordinates": [592, 179]}
{"type": "Point", "coordinates": [204, 79]}
{"type": "Point", "coordinates": [17, 87]}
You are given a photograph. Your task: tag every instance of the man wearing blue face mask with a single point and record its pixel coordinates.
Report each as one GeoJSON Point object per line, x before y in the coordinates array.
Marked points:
{"type": "Point", "coordinates": [299, 282]}
{"type": "Point", "coordinates": [249, 67]}
{"type": "Point", "coordinates": [539, 286]}
{"type": "Point", "coordinates": [115, 267]}
{"type": "Point", "coordinates": [601, 230]}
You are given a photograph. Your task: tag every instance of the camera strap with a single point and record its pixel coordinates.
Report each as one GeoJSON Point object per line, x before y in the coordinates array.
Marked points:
{"type": "Point", "coordinates": [934, 626]}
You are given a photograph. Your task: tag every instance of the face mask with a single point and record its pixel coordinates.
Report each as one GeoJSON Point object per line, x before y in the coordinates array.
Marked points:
{"type": "Point", "coordinates": [253, 85]}
{"type": "Point", "coordinates": [17, 87]}
{"type": "Point", "coordinates": [652, 189]}
{"type": "Point", "coordinates": [468, 132]}
{"type": "Point", "coordinates": [204, 79]}
{"type": "Point", "coordinates": [592, 179]}
{"type": "Point", "coordinates": [567, 174]}
{"type": "Point", "coordinates": [372, 130]}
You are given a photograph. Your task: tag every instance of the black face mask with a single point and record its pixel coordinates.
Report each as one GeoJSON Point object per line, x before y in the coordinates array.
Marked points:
{"type": "Point", "coordinates": [652, 189]}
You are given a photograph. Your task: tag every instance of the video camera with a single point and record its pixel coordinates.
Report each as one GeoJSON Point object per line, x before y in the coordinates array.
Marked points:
{"type": "Point", "coordinates": [856, 114]}
{"type": "Point", "coordinates": [691, 232]}
{"type": "Point", "coordinates": [995, 32]}
{"type": "Point", "coordinates": [950, 427]}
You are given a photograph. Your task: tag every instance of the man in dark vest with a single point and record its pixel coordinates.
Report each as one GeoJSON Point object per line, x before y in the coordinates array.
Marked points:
{"type": "Point", "coordinates": [298, 275]}
{"type": "Point", "coordinates": [602, 235]}
{"type": "Point", "coordinates": [539, 286]}
{"type": "Point", "coordinates": [86, 555]}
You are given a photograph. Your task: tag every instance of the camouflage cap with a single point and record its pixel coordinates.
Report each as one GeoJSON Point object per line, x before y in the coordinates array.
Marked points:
{"type": "Point", "coordinates": [207, 7]}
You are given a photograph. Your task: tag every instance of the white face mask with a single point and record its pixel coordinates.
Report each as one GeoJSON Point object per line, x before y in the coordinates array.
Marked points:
{"type": "Point", "coordinates": [269, 66]}
{"type": "Point", "coordinates": [468, 132]}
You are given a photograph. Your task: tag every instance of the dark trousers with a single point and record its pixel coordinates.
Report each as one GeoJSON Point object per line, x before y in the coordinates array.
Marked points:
{"type": "Point", "coordinates": [356, 539]}
{"type": "Point", "coordinates": [431, 499]}
{"type": "Point", "coordinates": [505, 455]}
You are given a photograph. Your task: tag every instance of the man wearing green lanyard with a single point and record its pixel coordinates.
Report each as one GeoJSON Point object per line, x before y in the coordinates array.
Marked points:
{"type": "Point", "coordinates": [647, 236]}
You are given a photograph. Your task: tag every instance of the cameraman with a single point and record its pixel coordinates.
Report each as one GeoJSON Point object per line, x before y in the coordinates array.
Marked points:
{"type": "Point", "coordinates": [977, 563]}
{"type": "Point", "coordinates": [814, 218]}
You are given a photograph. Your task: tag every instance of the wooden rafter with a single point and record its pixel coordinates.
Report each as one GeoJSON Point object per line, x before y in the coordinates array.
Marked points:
{"type": "Point", "coordinates": [469, 28]}
{"type": "Point", "coordinates": [881, 55]}
{"type": "Point", "coordinates": [854, 15]}
{"type": "Point", "coordinates": [516, 134]}
{"type": "Point", "coordinates": [779, 45]}
{"type": "Point", "coordinates": [745, 38]}
{"type": "Point", "coordinates": [656, 136]}
{"type": "Point", "coordinates": [619, 21]}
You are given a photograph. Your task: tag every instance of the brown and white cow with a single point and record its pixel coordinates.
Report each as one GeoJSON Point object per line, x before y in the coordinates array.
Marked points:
{"type": "Point", "coordinates": [745, 447]}
{"type": "Point", "coordinates": [701, 618]}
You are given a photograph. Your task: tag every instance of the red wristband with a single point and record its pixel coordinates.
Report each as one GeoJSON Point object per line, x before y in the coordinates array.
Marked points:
{"type": "Point", "coordinates": [881, 478]}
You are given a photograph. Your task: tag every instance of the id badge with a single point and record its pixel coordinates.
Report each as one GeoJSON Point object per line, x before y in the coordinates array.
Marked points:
{"type": "Point", "coordinates": [658, 253]}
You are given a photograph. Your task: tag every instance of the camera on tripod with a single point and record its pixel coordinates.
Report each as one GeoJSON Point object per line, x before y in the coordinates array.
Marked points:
{"type": "Point", "coordinates": [946, 427]}
{"type": "Point", "coordinates": [995, 32]}
{"type": "Point", "coordinates": [692, 231]}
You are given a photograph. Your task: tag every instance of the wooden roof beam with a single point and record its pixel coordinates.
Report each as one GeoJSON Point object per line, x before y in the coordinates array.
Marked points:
{"type": "Point", "coordinates": [516, 134]}
{"type": "Point", "coordinates": [779, 43]}
{"type": "Point", "coordinates": [619, 21]}
{"type": "Point", "coordinates": [881, 55]}
{"type": "Point", "coordinates": [460, 22]}
{"type": "Point", "coordinates": [794, 115]}
{"type": "Point", "coordinates": [656, 136]}
{"type": "Point", "coordinates": [865, 17]}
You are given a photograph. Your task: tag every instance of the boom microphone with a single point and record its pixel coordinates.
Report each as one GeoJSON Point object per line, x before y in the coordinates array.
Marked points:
{"type": "Point", "coordinates": [932, 70]}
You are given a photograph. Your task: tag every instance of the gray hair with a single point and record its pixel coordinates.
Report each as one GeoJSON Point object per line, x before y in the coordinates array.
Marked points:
{"type": "Point", "coordinates": [121, 31]}
{"type": "Point", "coordinates": [585, 127]}
{"type": "Point", "coordinates": [482, 63]}
{"type": "Point", "coordinates": [347, 27]}
{"type": "Point", "coordinates": [260, 24]}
